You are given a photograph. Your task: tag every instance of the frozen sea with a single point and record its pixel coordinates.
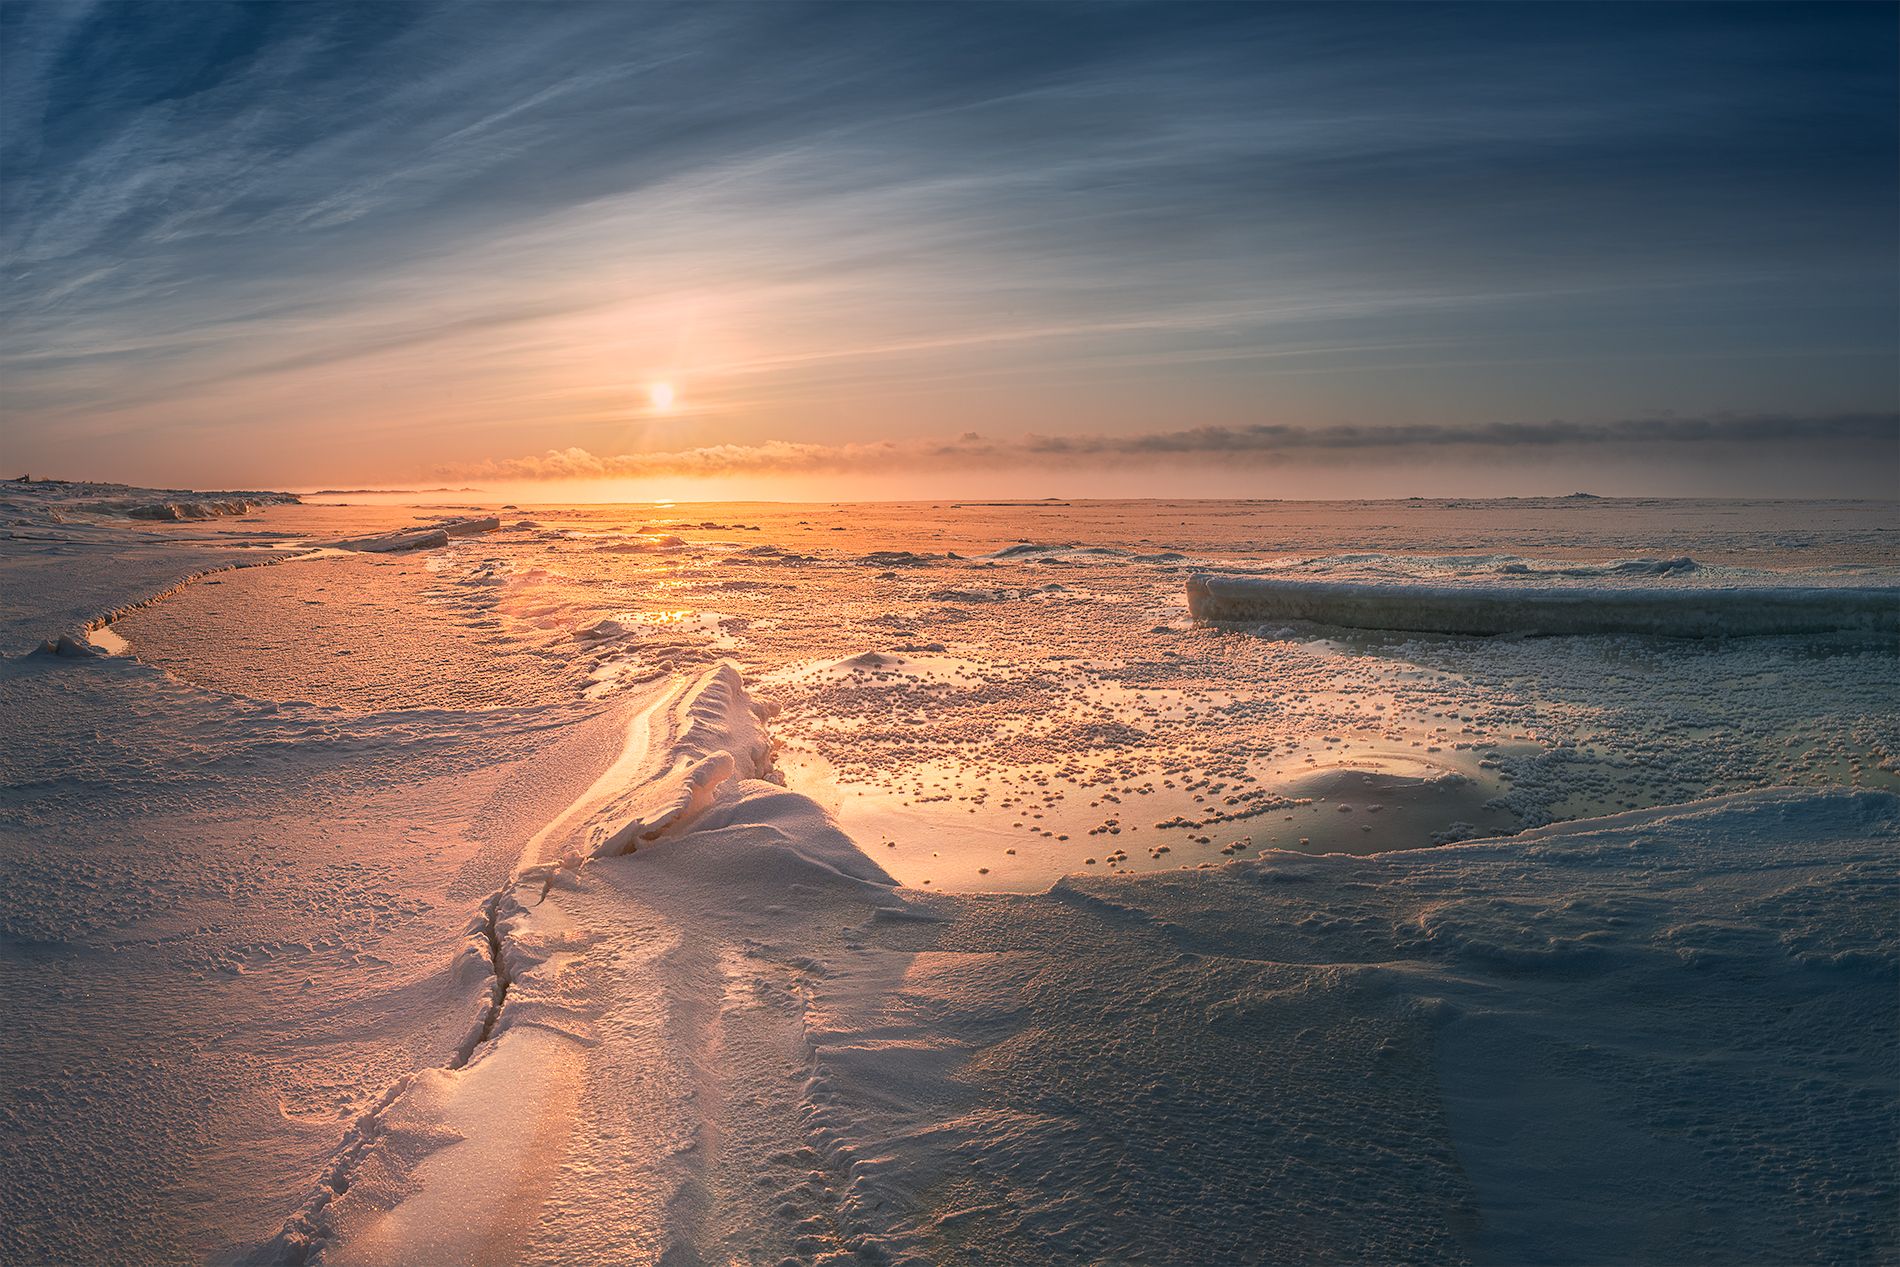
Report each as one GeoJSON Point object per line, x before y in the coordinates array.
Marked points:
{"type": "Point", "coordinates": [948, 882]}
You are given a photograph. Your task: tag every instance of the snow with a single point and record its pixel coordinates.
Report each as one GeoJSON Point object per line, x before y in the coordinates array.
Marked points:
{"type": "Point", "coordinates": [70, 647]}
{"type": "Point", "coordinates": [717, 738]}
{"type": "Point", "coordinates": [1464, 1053]}
{"type": "Point", "coordinates": [203, 509]}
{"type": "Point", "coordinates": [64, 501]}
{"type": "Point", "coordinates": [1686, 612]}
{"type": "Point", "coordinates": [501, 901]}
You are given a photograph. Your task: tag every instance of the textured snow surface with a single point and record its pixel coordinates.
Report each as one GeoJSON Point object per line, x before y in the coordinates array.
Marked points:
{"type": "Point", "coordinates": [229, 921]}
{"type": "Point", "coordinates": [760, 1051]}
{"type": "Point", "coordinates": [910, 884]}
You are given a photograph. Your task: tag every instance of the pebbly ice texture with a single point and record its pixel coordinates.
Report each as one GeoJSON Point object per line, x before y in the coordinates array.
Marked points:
{"type": "Point", "coordinates": [937, 890]}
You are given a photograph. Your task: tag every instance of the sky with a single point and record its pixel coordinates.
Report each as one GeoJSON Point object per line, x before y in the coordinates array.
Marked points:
{"type": "Point", "coordinates": [886, 250]}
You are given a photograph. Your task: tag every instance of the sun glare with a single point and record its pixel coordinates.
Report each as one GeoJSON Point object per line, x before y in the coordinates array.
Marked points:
{"type": "Point", "coordinates": [661, 395]}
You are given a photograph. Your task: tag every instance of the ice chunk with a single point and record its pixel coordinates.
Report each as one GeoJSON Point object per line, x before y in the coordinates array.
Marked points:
{"type": "Point", "coordinates": [1676, 612]}
{"type": "Point", "coordinates": [422, 537]}
{"type": "Point", "coordinates": [72, 647]}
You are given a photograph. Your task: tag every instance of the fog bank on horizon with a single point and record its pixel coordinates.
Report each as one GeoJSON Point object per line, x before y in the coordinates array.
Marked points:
{"type": "Point", "coordinates": [818, 251]}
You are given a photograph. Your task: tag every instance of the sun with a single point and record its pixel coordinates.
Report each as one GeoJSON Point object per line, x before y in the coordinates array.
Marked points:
{"type": "Point", "coordinates": [661, 396]}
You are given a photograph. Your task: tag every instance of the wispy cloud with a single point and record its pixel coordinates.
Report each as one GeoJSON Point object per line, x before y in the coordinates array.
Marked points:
{"type": "Point", "coordinates": [232, 233]}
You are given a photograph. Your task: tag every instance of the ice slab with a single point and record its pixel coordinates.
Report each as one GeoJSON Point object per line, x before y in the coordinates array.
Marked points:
{"type": "Point", "coordinates": [1673, 612]}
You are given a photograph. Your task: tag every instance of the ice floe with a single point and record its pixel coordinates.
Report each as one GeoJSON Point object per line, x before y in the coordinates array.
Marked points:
{"type": "Point", "coordinates": [1675, 612]}
{"type": "Point", "coordinates": [423, 537]}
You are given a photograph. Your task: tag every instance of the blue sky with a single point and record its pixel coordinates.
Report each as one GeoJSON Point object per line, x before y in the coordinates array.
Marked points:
{"type": "Point", "coordinates": [1342, 247]}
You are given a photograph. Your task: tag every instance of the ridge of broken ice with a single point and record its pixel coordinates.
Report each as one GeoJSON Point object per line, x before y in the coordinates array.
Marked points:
{"type": "Point", "coordinates": [50, 501]}
{"type": "Point", "coordinates": [719, 737]}
{"type": "Point", "coordinates": [701, 746]}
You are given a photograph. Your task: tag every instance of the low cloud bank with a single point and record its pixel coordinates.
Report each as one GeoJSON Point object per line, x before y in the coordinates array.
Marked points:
{"type": "Point", "coordinates": [1851, 437]}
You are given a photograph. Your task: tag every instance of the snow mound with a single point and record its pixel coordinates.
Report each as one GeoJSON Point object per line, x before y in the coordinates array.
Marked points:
{"type": "Point", "coordinates": [1505, 609]}
{"type": "Point", "coordinates": [770, 841]}
{"type": "Point", "coordinates": [606, 629]}
{"type": "Point", "coordinates": [424, 1174]}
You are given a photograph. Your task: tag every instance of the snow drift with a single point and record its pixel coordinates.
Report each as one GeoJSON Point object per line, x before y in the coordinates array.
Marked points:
{"type": "Point", "coordinates": [1682, 612]}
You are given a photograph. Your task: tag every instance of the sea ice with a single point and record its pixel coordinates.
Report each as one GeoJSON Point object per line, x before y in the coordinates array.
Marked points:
{"type": "Point", "coordinates": [1447, 1055]}
{"type": "Point", "coordinates": [323, 941]}
{"type": "Point", "coordinates": [1676, 612]}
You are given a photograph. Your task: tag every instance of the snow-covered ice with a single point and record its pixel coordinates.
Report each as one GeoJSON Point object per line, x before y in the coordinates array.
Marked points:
{"type": "Point", "coordinates": [1469, 1053]}
{"type": "Point", "coordinates": [662, 885]}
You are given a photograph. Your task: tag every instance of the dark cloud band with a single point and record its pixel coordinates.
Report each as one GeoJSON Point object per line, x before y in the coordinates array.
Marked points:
{"type": "Point", "coordinates": [1851, 438]}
